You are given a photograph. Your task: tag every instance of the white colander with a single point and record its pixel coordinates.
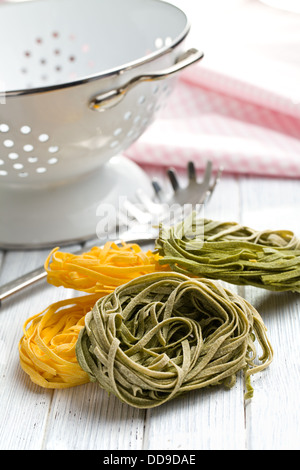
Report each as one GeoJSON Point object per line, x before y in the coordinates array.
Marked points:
{"type": "Point", "coordinates": [80, 81]}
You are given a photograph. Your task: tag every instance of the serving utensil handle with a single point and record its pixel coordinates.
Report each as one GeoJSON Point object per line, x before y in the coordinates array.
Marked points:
{"type": "Point", "coordinates": [26, 280]}
{"type": "Point", "coordinates": [111, 98]}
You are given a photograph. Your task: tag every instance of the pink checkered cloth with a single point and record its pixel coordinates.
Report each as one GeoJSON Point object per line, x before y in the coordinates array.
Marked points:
{"type": "Point", "coordinates": [241, 127]}
{"type": "Point", "coordinates": [239, 106]}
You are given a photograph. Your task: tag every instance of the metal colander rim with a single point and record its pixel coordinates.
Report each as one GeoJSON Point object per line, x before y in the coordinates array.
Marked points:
{"type": "Point", "coordinates": [106, 73]}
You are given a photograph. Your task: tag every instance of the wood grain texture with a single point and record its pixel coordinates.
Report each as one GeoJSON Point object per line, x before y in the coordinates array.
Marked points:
{"type": "Point", "coordinates": [86, 417]}
{"type": "Point", "coordinates": [272, 417]}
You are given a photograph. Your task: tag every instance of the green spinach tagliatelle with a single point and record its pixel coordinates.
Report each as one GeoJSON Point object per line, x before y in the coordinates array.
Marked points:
{"type": "Point", "coordinates": [164, 334]}
{"type": "Point", "coordinates": [232, 252]}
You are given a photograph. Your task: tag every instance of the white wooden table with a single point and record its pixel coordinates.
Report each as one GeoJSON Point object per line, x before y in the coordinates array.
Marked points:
{"type": "Point", "coordinates": [85, 417]}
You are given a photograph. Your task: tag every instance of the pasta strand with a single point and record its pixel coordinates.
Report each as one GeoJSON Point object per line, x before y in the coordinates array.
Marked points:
{"type": "Point", "coordinates": [164, 334]}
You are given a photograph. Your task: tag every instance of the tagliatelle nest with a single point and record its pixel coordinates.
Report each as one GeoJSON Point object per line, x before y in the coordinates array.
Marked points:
{"type": "Point", "coordinates": [233, 253]}
{"type": "Point", "coordinates": [164, 334]}
{"type": "Point", "coordinates": [100, 269]}
{"type": "Point", "coordinates": [47, 347]}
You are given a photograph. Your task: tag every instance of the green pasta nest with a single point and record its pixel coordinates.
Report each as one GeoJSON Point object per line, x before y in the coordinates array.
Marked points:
{"type": "Point", "coordinates": [232, 253]}
{"type": "Point", "coordinates": [164, 334]}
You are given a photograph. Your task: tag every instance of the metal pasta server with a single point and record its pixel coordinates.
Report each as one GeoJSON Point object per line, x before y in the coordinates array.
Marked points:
{"type": "Point", "coordinates": [143, 226]}
{"type": "Point", "coordinates": [80, 82]}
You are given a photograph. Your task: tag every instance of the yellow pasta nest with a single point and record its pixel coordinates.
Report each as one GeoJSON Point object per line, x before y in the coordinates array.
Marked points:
{"type": "Point", "coordinates": [100, 270]}
{"type": "Point", "coordinates": [47, 348]}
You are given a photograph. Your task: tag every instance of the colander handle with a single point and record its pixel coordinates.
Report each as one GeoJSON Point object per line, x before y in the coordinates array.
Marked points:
{"type": "Point", "coordinates": [111, 98]}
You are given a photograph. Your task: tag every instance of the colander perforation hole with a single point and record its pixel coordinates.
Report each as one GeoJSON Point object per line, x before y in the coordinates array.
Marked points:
{"type": "Point", "coordinates": [32, 159]}
{"type": "Point", "coordinates": [85, 48]}
{"type": "Point", "coordinates": [158, 43]}
{"type": "Point", "coordinates": [150, 107]}
{"type": "Point", "coordinates": [117, 131]}
{"type": "Point", "coordinates": [8, 143]}
{"type": "Point", "coordinates": [127, 115]}
{"type": "Point", "coordinates": [28, 148]}
{"type": "Point", "coordinates": [141, 99]}
{"type": "Point", "coordinates": [52, 161]}
{"type": "Point", "coordinates": [25, 130]}
{"type": "Point", "coordinates": [18, 166]}
{"type": "Point", "coordinates": [1, 162]}
{"type": "Point", "coordinates": [43, 137]}
{"type": "Point", "coordinates": [114, 144]}
{"type": "Point", "coordinates": [4, 128]}
{"type": "Point", "coordinates": [53, 149]}
{"type": "Point", "coordinates": [41, 169]}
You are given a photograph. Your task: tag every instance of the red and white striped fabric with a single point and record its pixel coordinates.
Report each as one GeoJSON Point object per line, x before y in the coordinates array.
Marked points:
{"type": "Point", "coordinates": [238, 117]}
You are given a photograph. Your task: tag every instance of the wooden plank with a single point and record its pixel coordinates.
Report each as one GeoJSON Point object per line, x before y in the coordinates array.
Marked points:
{"type": "Point", "coordinates": [86, 417]}
{"type": "Point", "coordinates": [269, 203]}
{"type": "Point", "coordinates": [24, 406]}
{"type": "Point", "coordinates": [208, 419]}
{"type": "Point", "coordinates": [272, 416]}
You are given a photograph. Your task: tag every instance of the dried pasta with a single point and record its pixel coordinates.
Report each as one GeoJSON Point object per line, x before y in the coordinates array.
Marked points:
{"type": "Point", "coordinates": [233, 253]}
{"type": "Point", "coordinates": [47, 347]}
{"type": "Point", "coordinates": [101, 269]}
